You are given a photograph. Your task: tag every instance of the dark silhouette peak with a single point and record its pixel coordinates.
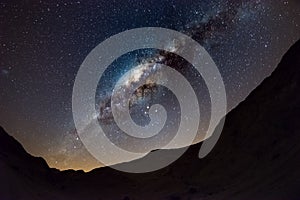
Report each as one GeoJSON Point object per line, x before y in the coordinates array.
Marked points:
{"type": "Point", "coordinates": [9, 144]}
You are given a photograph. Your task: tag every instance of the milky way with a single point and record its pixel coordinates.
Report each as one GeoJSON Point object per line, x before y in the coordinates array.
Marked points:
{"type": "Point", "coordinates": [44, 43]}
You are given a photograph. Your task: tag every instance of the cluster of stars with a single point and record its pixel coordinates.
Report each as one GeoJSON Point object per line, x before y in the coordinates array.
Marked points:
{"type": "Point", "coordinates": [43, 44]}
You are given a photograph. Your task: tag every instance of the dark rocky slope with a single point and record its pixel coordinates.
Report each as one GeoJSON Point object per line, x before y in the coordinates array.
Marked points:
{"type": "Point", "coordinates": [257, 157]}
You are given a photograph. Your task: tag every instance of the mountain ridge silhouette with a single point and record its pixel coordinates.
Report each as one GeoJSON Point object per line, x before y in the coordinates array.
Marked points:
{"type": "Point", "coordinates": [256, 157]}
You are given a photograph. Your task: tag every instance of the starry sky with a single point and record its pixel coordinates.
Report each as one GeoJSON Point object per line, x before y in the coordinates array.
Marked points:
{"type": "Point", "coordinates": [43, 44]}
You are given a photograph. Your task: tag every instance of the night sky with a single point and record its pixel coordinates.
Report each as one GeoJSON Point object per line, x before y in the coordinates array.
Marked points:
{"type": "Point", "coordinates": [43, 44]}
